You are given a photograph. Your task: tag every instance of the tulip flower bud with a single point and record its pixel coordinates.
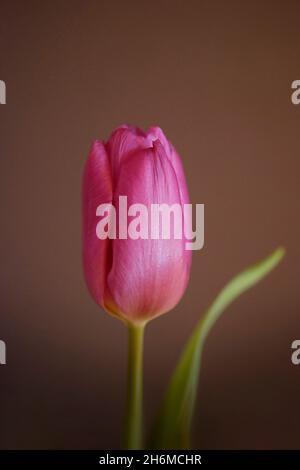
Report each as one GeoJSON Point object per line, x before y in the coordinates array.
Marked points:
{"type": "Point", "coordinates": [133, 278]}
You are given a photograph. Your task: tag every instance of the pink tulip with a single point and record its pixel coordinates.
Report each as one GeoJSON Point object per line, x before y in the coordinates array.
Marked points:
{"type": "Point", "coordinates": [135, 280]}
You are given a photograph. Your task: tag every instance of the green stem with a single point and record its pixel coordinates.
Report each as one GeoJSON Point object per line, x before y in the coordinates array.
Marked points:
{"type": "Point", "coordinates": [133, 432]}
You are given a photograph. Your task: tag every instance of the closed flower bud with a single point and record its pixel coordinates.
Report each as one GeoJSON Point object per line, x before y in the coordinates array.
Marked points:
{"type": "Point", "coordinates": [135, 279]}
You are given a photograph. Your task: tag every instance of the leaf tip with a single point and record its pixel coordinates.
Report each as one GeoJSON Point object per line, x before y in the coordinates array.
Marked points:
{"type": "Point", "coordinates": [278, 254]}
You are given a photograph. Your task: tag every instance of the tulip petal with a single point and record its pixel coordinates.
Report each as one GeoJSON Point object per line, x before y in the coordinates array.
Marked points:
{"type": "Point", "coordinates": [96, 190]}
{"type": "Point", "coordinates": [157, 133]}
{"type": "Point", "coordinates": [122, 141]}
{"type": "Point", "coordinates": [148, 277]}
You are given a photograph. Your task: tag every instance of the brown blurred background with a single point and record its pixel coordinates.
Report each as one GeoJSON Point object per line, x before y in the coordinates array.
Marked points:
{"type": "Point", "coordinates": [216, 76]}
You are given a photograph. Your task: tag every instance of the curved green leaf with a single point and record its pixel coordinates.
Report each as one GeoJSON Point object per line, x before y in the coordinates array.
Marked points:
{"type": "Point", "coordinates": [172, 428]}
